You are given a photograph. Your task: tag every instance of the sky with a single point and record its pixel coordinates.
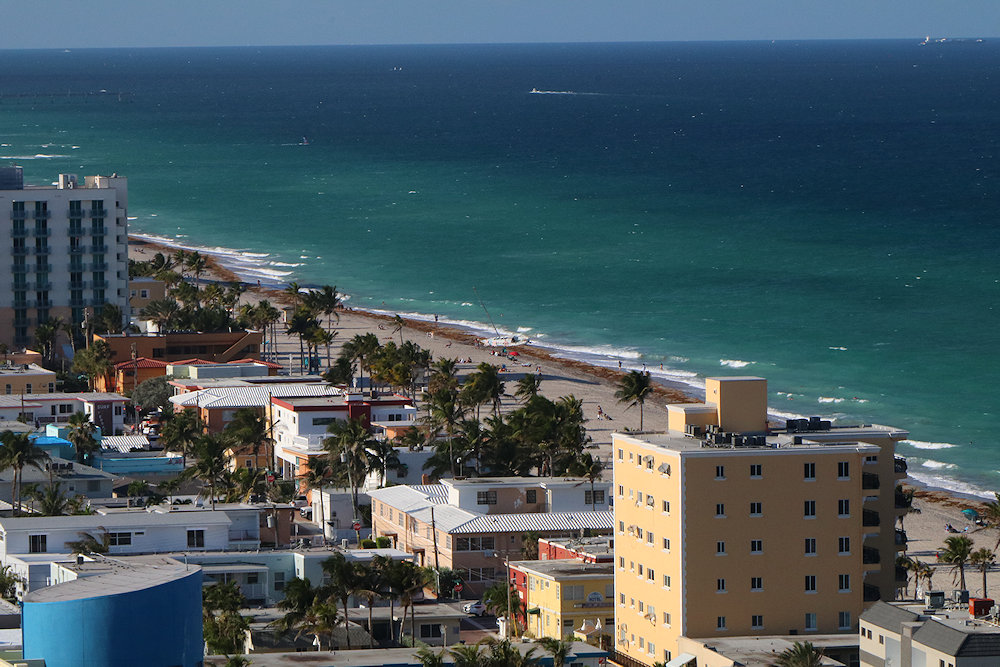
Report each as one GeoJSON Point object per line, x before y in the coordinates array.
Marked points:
{"type": "Point", "coordinates": [136, 23]}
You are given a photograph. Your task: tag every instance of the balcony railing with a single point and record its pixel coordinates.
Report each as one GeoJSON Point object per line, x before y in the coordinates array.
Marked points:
{"type": "Point", "coordinates": [42, 250]}
{"type": "Point", "coordinates": [869, 481]}
{"type": "Point", "coordinates": [899, 464]}
{"type": "Point", "coordinates": [98, 212]}
{"type": "Point", "coordinates": [40, 215]}
{"type": "Point", "coordinates": [19, 268]}
{"type": "Point", "coordinates": [901, 537]}
{"type": "Point", "coordinates": [100, 266]}
{"type": "Point", "coordinates": [871, 593]}
{"type": "Point", "coordinates": [77, 249]}
{"type": "Point", "coordinates": [19, 251]}
{"type": "Point", "coordinates": [902, 574]}
{"type": "Point", "coordinates": [870, 518]}
{"type": "Point", "coordinates": [41, 232]}
{"type": "Point", "coordinates": [870, 556]}
{"type": "Point", "coordinates": [18, 215]}
{"type": "Point", "coordinates": [98, 249]}
{"type": "Point", "coordinates": [19, 232]}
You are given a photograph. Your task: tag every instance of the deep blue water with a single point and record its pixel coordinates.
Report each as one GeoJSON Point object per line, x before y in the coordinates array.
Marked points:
{"type": "Point", "coordinates": [823, 214]}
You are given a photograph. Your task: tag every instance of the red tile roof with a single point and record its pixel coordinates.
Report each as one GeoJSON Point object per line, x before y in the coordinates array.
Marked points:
{"type": "Point", "coordinates": [141, 362]}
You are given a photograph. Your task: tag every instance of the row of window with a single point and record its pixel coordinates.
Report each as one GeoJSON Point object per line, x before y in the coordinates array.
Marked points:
{"type": "Point", "coordinates": [808, 471]}
{"type": "Point", "coordinates": [757, 584]}
{"type": "Point", "coordinates": [756, 546]}
{"type": "Point", "coordinates": [39, 544]}
{"type": "Point", "coordinates": [757, 621]}
{"type": "Point", "coordinates": [808, 509]}
{"type": "Point", "coordinates": [28, 389]}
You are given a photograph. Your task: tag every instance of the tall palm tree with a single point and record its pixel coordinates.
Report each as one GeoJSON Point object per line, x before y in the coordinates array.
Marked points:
{"type": "Point", "coordinates": [250, 428]}
{"type": "Point", "coordinates": [925, 573]}
{"type": "Point", "coordinates": [349, 440]}
{"type": "Point", "coordinates": [81, 434]}
{"type": "Point", "coordinates": [299, 597]}
{"type": "Point", "coordinates": [345, 581]}
{"type": "Point", "coordinates": [294, 291]}
{"type": "Point", "coordinates": [325, 300]}
{"type": "Point", "coordinates": [801, 654]}
{"type": "Point", "coordinates": [983, 559]}
{"type": "Point", "coordinates": [16, 452]}
{"type": "Point", "coordinates": [444, 410]}
{"type": "Point", "coordinates": [179, 432]}
{"type": "Point", "coordinates": [94, 362]}
{"type": "Point", "coordinates": [52, 502]}
{"type": "Point", "coordinates": [503, 653]}
{"type": "Point", "coordinates": [196, 264]}
{"type": "Point", "coordinates": [633, 389]}
{"type": "Point", "coordinates": [209, 462]}
{"type": "Point", "coordinates": [164, 312]}
{"type": "Point", "coordinates": [904, 501]}
{"type": "Point", "coordinates": [382, 457]}
{"type": "Point", "coordinates": [956, 552]}
{"type": "Point", "coordinates": [45, 337]}
{"type": "Point", "coordinates": [397, 327]}
{"type": "Point", "coordinates": [412, 581]}
{"type": "Point", "coordinates": [590, 467]}
{"type": "Point", "coordinates": [302, 323]}
{"type": "Point", "coordinates": [444, 375]}
{"type": "Point", "coordinates": [315, 479]}
{"type": "Point", "coordinates": [361, 348]}
{"type": "Point", "coordinates": [372, 587]}
{"type": "Point", "coordinates": [528, 386]}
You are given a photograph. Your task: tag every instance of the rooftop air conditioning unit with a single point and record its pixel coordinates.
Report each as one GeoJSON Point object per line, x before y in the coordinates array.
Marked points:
{"type": "Point", "coordinates": [934, 599]}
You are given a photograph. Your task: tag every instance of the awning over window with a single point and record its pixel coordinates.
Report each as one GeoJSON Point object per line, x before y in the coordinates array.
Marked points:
{"type": "Point", "coordinates": [535, 610]}
{"type": "Point", "coordinates": [681, 660]}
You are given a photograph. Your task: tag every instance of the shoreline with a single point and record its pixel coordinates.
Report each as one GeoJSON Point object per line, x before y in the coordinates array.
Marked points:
{"type": "Point", "coordinates": [664, 390]}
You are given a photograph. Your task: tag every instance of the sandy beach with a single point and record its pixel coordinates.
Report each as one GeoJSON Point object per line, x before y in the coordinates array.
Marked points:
{"type": "Point", "coordinates": [595, 386]}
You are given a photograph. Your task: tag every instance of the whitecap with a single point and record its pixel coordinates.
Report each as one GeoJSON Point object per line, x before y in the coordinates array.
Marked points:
{"type": "Point", "coordinates": [937, 465]}
{"type": "Point", "coordinates": [837, 348]}
{"type": "Point", "coordinates": [523, 329]}
{"type": "Point", "coordinates": [827, 399]}
{"type": "Point", "coordinates": [948, 484]}
{"type": "Point", "coordinates": [918, 444]}
{"type": "Point", "coordinates": [734, 363]}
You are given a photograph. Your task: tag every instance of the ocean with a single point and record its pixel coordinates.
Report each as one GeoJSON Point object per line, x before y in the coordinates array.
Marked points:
{"type": "Point", "coordinates": [823, 214]}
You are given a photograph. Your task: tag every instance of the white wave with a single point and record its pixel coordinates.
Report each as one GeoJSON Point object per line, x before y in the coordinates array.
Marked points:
{"type": "Point", "coordinates": [535, 91]}
{"type": "Point", "coordinates": [734, 363]}
{"type": "Point", "coordinates": [292, 264]}
{"type": "Point", "coordinates": [37, 156]}
{"type": "Point", "coordinates": [827, 399]}
{"type": "Point", "coordinates": [467, 304]}
{"type": "Point", "coordinates": [948, 483]}
{"type": "Point", "coordinates": [523, 329]}
{"type": "Point", "coordinates": [918, 444]}
{"type": "Point", "coordinates": [678, 360]}
{"type": "Point", "coordinates": [937, 465]}
{"type": "Point", "coordinates": [843, 349]}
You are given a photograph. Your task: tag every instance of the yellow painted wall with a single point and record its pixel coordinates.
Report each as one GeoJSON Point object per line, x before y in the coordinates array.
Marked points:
{"type": "Point", "coordinates": [742, 402]}
{"type": "Point", "coordinates": [548, 595]}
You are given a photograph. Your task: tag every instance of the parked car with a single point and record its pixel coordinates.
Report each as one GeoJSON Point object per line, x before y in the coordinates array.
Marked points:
{"type": "Point", "coordinates": [476, 608]}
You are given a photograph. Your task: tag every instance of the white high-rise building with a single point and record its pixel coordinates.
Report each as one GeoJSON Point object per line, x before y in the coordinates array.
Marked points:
{"type": "Point", "coordinates": [67, 251]}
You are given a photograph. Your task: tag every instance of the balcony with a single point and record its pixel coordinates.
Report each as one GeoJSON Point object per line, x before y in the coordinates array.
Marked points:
{"type": "Point", "coordinates": [869, 481]}
{"type": "Point", "coordinates": [101, 266]}
{"type": "Point", "coordinates": [41, 232]}
{"type": "Point", "coordinates": [40, 215]}
{"type": "Point", "coordinates": [98, 212]}
{"type": "Point", "coordinates": [19, 251]}
{"type": "Point", "coordinates": [870, 556]}
{"type": "Point", "coordinates": [77, 250]}
{"type": "Point", "coordinates": [42, 268]}
{"type": "Point", "coordinates": [75, 230]}
{"type": "Point", "coordinates": [19, 232]}
{"type": "Point", "coordinates": [901, 538]}
{"type": "Point", "coordinates": [18, 215]}
{"type": "Point", "coordinates": [99, 230]}
{"type": "Point", "coordinates": [98, 284]}
{"type": "Point", "coordinates": [39, 286]}
{"type": "Point", "coordinates": [19, 268]}
{"type": "Point", "coordinates": [899, 465]}
{"type": "Point", "coordinates": [870, 518]}
{"type": "Point", "coordinates": [902, 574]}
{"type": "Point", "coordinates": [42, 250]}
{"type": "Point", "coordinates": [871, 593]}
{"type": "Point", "coordinates": [98, 249]}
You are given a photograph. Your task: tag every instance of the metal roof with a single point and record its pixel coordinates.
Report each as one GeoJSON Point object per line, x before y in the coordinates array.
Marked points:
{"type": "Point", "coordinates": [124, 443]}
{"type": "Point", "coordinates": [888, 616]}
{"type": "Point", "coordinates": [130, 519]}
{"type": "Point", "coordinates": [248, 396]}
{"type": "Point", "coordinates": [963, 641]}
{"type": "Point", "coordinates": [538, 522]}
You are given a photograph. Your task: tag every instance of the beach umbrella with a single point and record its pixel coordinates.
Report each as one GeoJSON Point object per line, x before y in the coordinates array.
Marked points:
{"type": "Point", "coordinates": [971, 514]}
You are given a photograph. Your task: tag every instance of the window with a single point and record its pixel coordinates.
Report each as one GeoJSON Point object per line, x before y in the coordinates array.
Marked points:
{"type": "Point", "coordinates": [638, 532]}
{"type": "Point", "coordinates": [810, 583]}
{"type": "Point", "coordinates": [37, 544]}
{"type": "Point", "coordinates": [871, 460]}
{"type": "Point", "coordinates": [757, 621]}
{"type": "Point", "coordinates": [843, 507]}
{"type": "Point", "coordinates": [843, 470]}
{"type": "Point", "coordinates": [484, 543]}
{"type": "Point", "coordinates": [666, 581]}
{"type": "Point", "coordinates": [809, 471]}
{"type": "Point", "coordinates": [119, 539]}
{"type": "Point", "coordinates": [810, 621]}
{"type": "Point", "coordinates": [621, 526]}
{"type": "Point", "coordinates": [756, 546]}
{"type": "Point", "coordinates": [531, 496]}
{"type": "Point", "coordinates": [720, 510]}
{"type": "Point", "coordinates": [486, 497]}
{"type": "Point", "coordinates": [430, 630]}
{"type": "Point", "coordinates": [621, 455]}
{"type": "Point", "coordinates": [666, 507]}
{"type": "Point", "coordinates": [666, 619]}
{"type": "Point", "coordinates": [720, 585]}
{"type": "Point", "coordinates": [810, 546]}
{"type": "Point", "coordinates": [651, 647]}
{"type": "Point", "coordinates": [809, 509]}
{"type": "Point", "coordinates": [756, 509]}
{"type": "Point", "coordinates": [568, 623]}
{"type": "Point", "coordinates": [844, 620]}
{"type": "Point", "coordinates": [756, 470]}
{"type": "Point", "coordinates": [650, 574]}
{"type": "Point", "coordinates": [640, 569]}
{"type": "Point", "coordinates": [649, 537]}
{"type": "Point", "coordinates": [649, 462]}
{"type": "Point", "coordinates": [595, 497]}
{"type": "Point", "coordinates": [666, 544]}
{"type": "Point", "coordinates": [720, 548]}
{"type": "Point", "coordinates": [756, 583]}
{"type": "Point", "coordinates": [720, 472]}
{"type": "Point", "coordinates": [574, 592]}
{"type": "Point", "coordinates": [621, 491]}
{"type": "Point", "coordinates": [621, 562]}
{"type": "Point", "coordinates": [720, 623]}
{"type": "Point", "coordinates": [196, 538]}
{"type": "Point", "coordinates": [279, 581]}
{"type": "Point", "coordinates": [844, 545]}
{"type": "Point", "coordinates": [621, 599]}
{"type": "Point", "coordinates": [844, 583]}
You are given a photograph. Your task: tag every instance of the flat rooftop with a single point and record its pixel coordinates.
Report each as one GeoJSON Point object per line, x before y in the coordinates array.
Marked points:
{"type": "Point", "coordinates": [111, 577]}
{"type": "Point", "coordinates": [675, 441]}
{"type": "Point", "coordinates": [565, 568]}
{"type": "Point", "coordinates": [761, 651]}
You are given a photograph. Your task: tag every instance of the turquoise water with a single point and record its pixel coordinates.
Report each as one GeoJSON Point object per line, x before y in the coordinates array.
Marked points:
{"type": "Point", "coordinates": [821, 214]}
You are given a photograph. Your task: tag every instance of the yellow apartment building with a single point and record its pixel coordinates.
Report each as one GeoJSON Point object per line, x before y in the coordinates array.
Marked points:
{"type": "Point", "coordinates": [726, 525]}
{"type": "Point", "coordinates": [561, 594]}
{"type": "Point", "coordinates": [17, 379]}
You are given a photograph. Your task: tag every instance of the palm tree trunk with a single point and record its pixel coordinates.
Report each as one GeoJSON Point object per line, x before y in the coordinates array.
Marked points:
{"type": "Point", "coordinates": [347, 630]}
{"type": "Point", "coordinates": [392, 624]}
{"type": "Point", "coordinates": [371, 629]}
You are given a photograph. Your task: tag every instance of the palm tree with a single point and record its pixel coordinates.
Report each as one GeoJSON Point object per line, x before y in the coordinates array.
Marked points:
{"type": "Point", "coordinates": [315, 480]}
{"type": "Point", "coordinates": [81, 434]}
{"type": "Point", "coordinates": [382, 457]}
{"type": "Point", "coordinates": [801, 654]}
{"type": "Point", "coordinates": [359, 348]}
{"type": "Point", "coordinates": [411, 581]}
{"type": "Point", "coordinates": [163, 312]}
{"type": "Point", "coordinates": [179, 432]}
{"type": "Point", "coordinates": [196, 264]}
{"type": "Point", "coordinates": [210, 462]}
{"type": "Point", "coordinates": [991, 515]}
{"type": "Point", "coordinates": [444, 375]}
{"type": "Point", "coordinates": [301, 323]}
{"type": "Point", "coordinates": [983, 559]}
{"type": "Point", "coordinates": [956, 552]}
{"type": "Point", "coordinates": [95, 361]}
{"type": "Point", "coordinates": [528, 386]}
{"type": "Point", "coordinates": [559, 649]}
{"type": "Point", "coordinates": [299, 597]}
{"type": "Point", "coordinates": [466, 655]}
{"type": "Point", "coordinates": [90, 543]}
{"type": "Point", "coordinates": [250, 428]}
{"type": "Point", "coordinates": [445, 410]}
{"type": "Point", "coordinates": [633, 389]}
{"type": "Point", "coordinates": [373, 586]}
{"type": "Point", "coordinates": [397, 327]}
{"type": "Point", "coordinates": [591, 468]}
{"type": "Point", "coordinates": [503, 653]}
{"type": "Point", "coordinates": [910, 565]}
{"type": "Point", "coordinates": [345, 581]}
{"type": "Point", "coordinates": [52, 502]}
{"type": "Point", "coordinates": [904, 501]}
{"type": "Point", "coordinates": [45, 336]}
{"type": "Point", "coordinates": [925, 572]}
{"type": "Point", "coordinates": [294, 292]}
{"type": "Point", "coordinates": [428, 658]}
{"type": "Point", "coordinates": [325, 300]}
{"type": "Point", "coordinates": [168, 488]}
{"type": "Point", "coordinates": [17, 451]}
{"type": "Point", "coordinates": [349, 440]}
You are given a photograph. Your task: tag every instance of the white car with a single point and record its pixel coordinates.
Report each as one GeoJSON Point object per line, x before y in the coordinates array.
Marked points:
{"type": "Point", "coordinates": [475, 608]}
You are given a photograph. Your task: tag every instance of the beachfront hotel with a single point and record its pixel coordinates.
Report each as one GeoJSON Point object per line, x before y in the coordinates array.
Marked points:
{"type": "Point", "coordinates": [728, 526]}
{"type": "Point", "coordinates": [67, 251]}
